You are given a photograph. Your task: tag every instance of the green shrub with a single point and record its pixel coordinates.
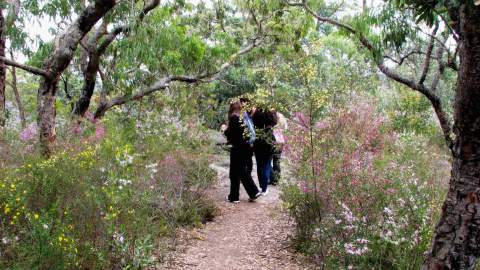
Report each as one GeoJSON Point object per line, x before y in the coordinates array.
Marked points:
{"type": "Point", "coordinates": [104, 204]}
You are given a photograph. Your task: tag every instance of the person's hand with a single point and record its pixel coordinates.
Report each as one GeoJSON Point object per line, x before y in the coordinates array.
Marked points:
{"type": "Point", "coordinates": [223, 127]}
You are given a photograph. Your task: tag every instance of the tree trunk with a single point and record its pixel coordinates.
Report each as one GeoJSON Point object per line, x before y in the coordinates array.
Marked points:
{"type": "Point", "coordinates": [65, 46]}
{"type": "Point", "coordinates": [89, 76]}
{"type": "Point", "coordinates": [456, 244]}
{"type": "Point", "coordinates": [21, 110]}
{"type": "Point", "coordinates": [46, 114]}
{"type": "Point", "coordinates": [3, 72]}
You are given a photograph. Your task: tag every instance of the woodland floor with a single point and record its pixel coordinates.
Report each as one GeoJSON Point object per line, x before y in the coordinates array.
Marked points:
{"type": "Point", "coordinates": [248, 235]}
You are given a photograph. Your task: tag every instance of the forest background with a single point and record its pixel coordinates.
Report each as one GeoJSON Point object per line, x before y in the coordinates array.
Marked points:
{"type": "Point", "coordinates": [106, 126]}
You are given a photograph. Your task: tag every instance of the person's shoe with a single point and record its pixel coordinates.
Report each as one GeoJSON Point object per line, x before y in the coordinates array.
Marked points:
{"type": "Point", "coordinates": [255, 197]}
{"type": "Point", "coordinates": [230, 201]}
{"type": "Point", "coordinates": [265, 192]}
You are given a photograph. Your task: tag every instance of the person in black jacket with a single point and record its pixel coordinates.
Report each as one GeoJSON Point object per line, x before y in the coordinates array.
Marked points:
{"type": "Point", "coordinates": [264, 122]}
{"type": "Point", "coordinates": [240, 153]}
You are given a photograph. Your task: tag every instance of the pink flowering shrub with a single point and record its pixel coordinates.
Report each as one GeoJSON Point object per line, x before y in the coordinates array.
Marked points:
{"type": "Point", "coordinates": [362, 196]}
{"type": "Point", "coordinates": [29, 133]}
{"type": "Point", "coordinates": [92, 130]}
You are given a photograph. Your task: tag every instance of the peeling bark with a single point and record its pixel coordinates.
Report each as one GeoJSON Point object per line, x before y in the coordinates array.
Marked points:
{"type": "Point", "coordinates": [456, 244]}
{"type": "Point", "coordinates": [65, 46]}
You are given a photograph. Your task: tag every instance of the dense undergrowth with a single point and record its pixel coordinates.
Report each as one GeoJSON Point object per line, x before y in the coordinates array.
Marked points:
{"type": "Point", "coordinates": [365, 195]}
{"type": "Point", "coordinates": [109, 198]}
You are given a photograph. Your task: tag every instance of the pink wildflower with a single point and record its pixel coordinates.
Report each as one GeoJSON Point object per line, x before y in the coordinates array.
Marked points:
{"type": "Point", "coordinates": [28, 133]}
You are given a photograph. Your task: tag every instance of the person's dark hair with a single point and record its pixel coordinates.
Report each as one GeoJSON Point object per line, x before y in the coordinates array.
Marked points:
{"type": "Point", "coordinates": [235, 108]}
{"type": "Point", "coordinates": [264, 119]}
{"type": "Point", "coordinates": [272, 118]}
{"type": "Point", "coordinates": [244, 100]}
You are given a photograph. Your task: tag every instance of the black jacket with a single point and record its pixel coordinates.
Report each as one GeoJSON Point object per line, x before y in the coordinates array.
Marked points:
{"type": "Point", "coordinates": [236, 132]}
{"type": "Point", "coordinates": [264, 143]}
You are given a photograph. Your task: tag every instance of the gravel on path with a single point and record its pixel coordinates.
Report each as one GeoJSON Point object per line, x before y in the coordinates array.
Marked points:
{"type": "Point", "coordinates": [243, 236]}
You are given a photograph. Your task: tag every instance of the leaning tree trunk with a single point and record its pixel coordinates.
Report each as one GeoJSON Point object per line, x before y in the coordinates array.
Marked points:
{"type": "Point", "coordinates": [90, 76]}
{"type": "Point", "coordinates": [65, 46]}
{"type": "Point", "coordinates": [3, 72]}
{"type": "Point", "coordinates": [456, 244]}
{"type": "Point", "coordinates": [18, 99]}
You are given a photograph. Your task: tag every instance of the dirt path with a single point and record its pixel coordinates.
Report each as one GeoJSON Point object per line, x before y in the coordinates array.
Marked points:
{"type": "Point", "coordinates": [243, 236]}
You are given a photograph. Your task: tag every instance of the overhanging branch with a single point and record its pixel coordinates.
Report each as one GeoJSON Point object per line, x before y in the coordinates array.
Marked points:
{"type": "Point", "coordinates": [412, 84]}
{"type": "Point", "coordinates": [94, 54]}
{"type": "Point", "coordinates": [151, 5]}
{"type": "Point", "coordinates": [164, 82]}
{"type": "Point", "coordinates": [403, 58]}
{"type": "Point", "coordinates": [33, 70]}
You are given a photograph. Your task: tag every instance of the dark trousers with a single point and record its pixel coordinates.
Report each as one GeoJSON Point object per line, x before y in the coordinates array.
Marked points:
{"type": "Point", "coordinates": [276, 170]}
{"type": "Point", "coordinates": [264, 168]}
{"type": "Point", "coordinates": [240, 171]}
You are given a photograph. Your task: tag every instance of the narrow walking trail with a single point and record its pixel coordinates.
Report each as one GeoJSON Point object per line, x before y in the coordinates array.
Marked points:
{"type": "Point", "coordinates": [248, 235]}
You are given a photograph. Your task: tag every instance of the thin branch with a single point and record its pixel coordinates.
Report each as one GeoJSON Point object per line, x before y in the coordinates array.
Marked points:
{"type": "Point", "coordinates": [33, 70]}
{"type": "Point", "coordinates": [164, 82]}
{"type": "Point", "coordinates": [111, 37]}
{"type": "Point", "coordinates": [255, 20]}
{"type": "Point", "coordinates": [147, 8]}
{"type": "Point", "coordinates": [403, 58]}
{"type": "Point", "coordinates": [428, 55]}
{"type": "Point", "coordinates": [323, 19]}
{"type": "Point", "coordinates": [428, 93]}
{"type": "Point", "coordinates": [227, 83]}
{"type": "Point", "coordinates": [452, 58]}
{"type": "Point", "coordinates": [126, 28]}
{"type": "Point", "coordinates": [447, 23]}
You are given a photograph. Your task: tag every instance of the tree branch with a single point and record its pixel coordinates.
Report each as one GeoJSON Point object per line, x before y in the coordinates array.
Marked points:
{"type": "Point", "coordinates": [33, 70]}
{"type": "Point", "coordinates": [93, 65]}
{"type": "Point", "coordinates": [66, 43]}
{"type": "Point", "coordinates": [126, 28]}
{"type": "Point", "coordinates": [147, 8]}
{"type": "Point", "coordinates": [451, 61]}
{"type": "Point", "coordinates": [164, 82]}
{"type": "Point", "coordinates": [428, 93]}
{"type": "Point", "coordinates": [428, 55]}
{"type": "Point", "coordinates": [403, 58]}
